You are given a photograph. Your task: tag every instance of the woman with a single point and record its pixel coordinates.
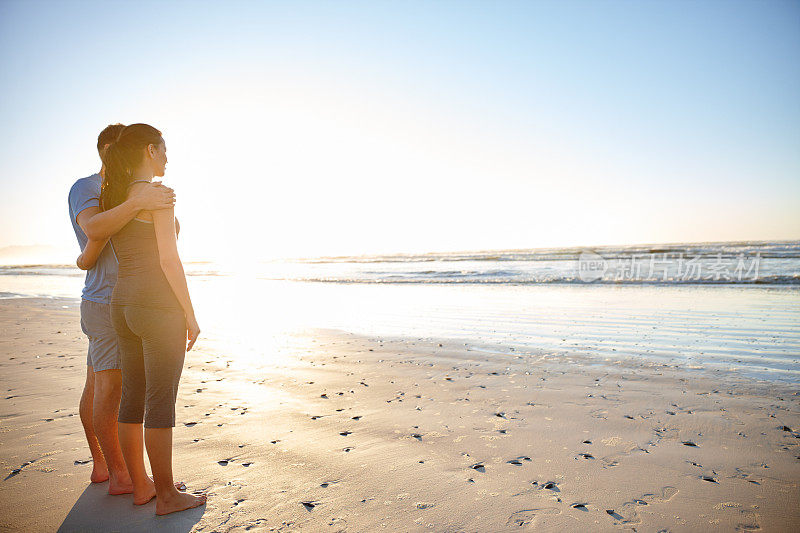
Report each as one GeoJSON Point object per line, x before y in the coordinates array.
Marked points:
{"type": "Point", "coordinates": [153, 316]}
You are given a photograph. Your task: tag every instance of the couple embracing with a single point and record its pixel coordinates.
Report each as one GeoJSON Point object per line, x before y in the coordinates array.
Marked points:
{"type": "Point", "coordinates": [136, 311]}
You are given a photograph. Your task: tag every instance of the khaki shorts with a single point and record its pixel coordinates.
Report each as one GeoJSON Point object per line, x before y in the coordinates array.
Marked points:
{"type": "Point", "coordinates": [96, 324]}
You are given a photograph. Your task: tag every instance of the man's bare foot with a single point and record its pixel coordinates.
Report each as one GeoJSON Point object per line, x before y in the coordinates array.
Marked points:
{"type": "Point", "coordinates": [120, 485]}
{"type": "Point", "coordinates": [178, 501]}
{"type": "Point", "coordinates": [99, 473]}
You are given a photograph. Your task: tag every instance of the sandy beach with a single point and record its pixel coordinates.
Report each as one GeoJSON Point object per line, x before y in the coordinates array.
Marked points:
{"type": "Point", "coordinates": [339, 432]}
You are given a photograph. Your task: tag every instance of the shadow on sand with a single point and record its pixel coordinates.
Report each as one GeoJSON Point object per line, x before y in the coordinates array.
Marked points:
{"type": "Point", "coordinates": [95, 510]}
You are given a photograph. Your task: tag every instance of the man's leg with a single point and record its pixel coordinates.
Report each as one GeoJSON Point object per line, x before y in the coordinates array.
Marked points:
{"type": "Point", "coordinates": [99, 468]}
{"type": "Point", "coordinates": [107, 393]}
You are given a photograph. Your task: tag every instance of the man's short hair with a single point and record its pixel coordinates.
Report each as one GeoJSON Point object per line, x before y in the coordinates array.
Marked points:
{"type": "Point", "coordinates": [109, 135]}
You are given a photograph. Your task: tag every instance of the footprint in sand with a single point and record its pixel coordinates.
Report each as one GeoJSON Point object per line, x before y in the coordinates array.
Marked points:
{"type": "Point", "coordinates": [528, 517]}
{"type": "Point", "coordinates": [749, 521]}
{"type": "Point", "coordinates": [741, 474]}
{"type": "Point", "coordinates": [631, 512]}
{"type": "Point", "coordinates": [666, 494]}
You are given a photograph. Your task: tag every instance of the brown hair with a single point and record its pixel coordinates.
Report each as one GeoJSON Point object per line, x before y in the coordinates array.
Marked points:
{"type": "Point", "coordinates": [108, 136]}
{"type": "Point", "coordinates": [121, 158]}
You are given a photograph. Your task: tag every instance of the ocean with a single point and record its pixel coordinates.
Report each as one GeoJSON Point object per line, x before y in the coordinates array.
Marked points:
{"type": "Point", "coordinates": [727, 308]}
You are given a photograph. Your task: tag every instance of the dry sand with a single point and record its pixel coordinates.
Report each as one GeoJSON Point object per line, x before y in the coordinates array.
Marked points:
{"type": "Point", "coordinates": [345, 433]}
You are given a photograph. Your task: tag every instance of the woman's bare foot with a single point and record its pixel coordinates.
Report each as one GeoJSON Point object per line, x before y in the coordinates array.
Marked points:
{"type": "Point", "coordinates": [99, 473]}
{"type": "Point", "coordinates": [178, 501]}
{"type": "Point", "coordinates": [148, 492]}
{"type": "Point", "coordinates": [142, 495]}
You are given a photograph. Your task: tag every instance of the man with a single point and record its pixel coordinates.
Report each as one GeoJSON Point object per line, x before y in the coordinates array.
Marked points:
{"type": "Point", "coordinates": [101, 394]}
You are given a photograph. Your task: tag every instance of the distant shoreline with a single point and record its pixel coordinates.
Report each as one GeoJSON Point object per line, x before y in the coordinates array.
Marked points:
{"type": "Point", "coordinates": [62, 255]}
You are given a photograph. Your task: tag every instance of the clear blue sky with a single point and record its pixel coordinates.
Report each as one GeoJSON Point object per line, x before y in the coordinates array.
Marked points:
{"type": "Point", "coordinates": [304, 128]}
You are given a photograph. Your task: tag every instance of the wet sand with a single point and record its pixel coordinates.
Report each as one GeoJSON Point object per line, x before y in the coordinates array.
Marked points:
{"type": "Point", "coordinates": [338, 432]}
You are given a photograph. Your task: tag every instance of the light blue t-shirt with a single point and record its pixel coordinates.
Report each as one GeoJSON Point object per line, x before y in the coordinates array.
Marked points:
{"type": "Point", "coordinates": [100, 279]}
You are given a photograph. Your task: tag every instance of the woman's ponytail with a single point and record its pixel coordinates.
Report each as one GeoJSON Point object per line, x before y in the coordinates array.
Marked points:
{"type": "Point", "coordinates": [120, 160]}
{"type": "Point", "coordinates": [117, 178]}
